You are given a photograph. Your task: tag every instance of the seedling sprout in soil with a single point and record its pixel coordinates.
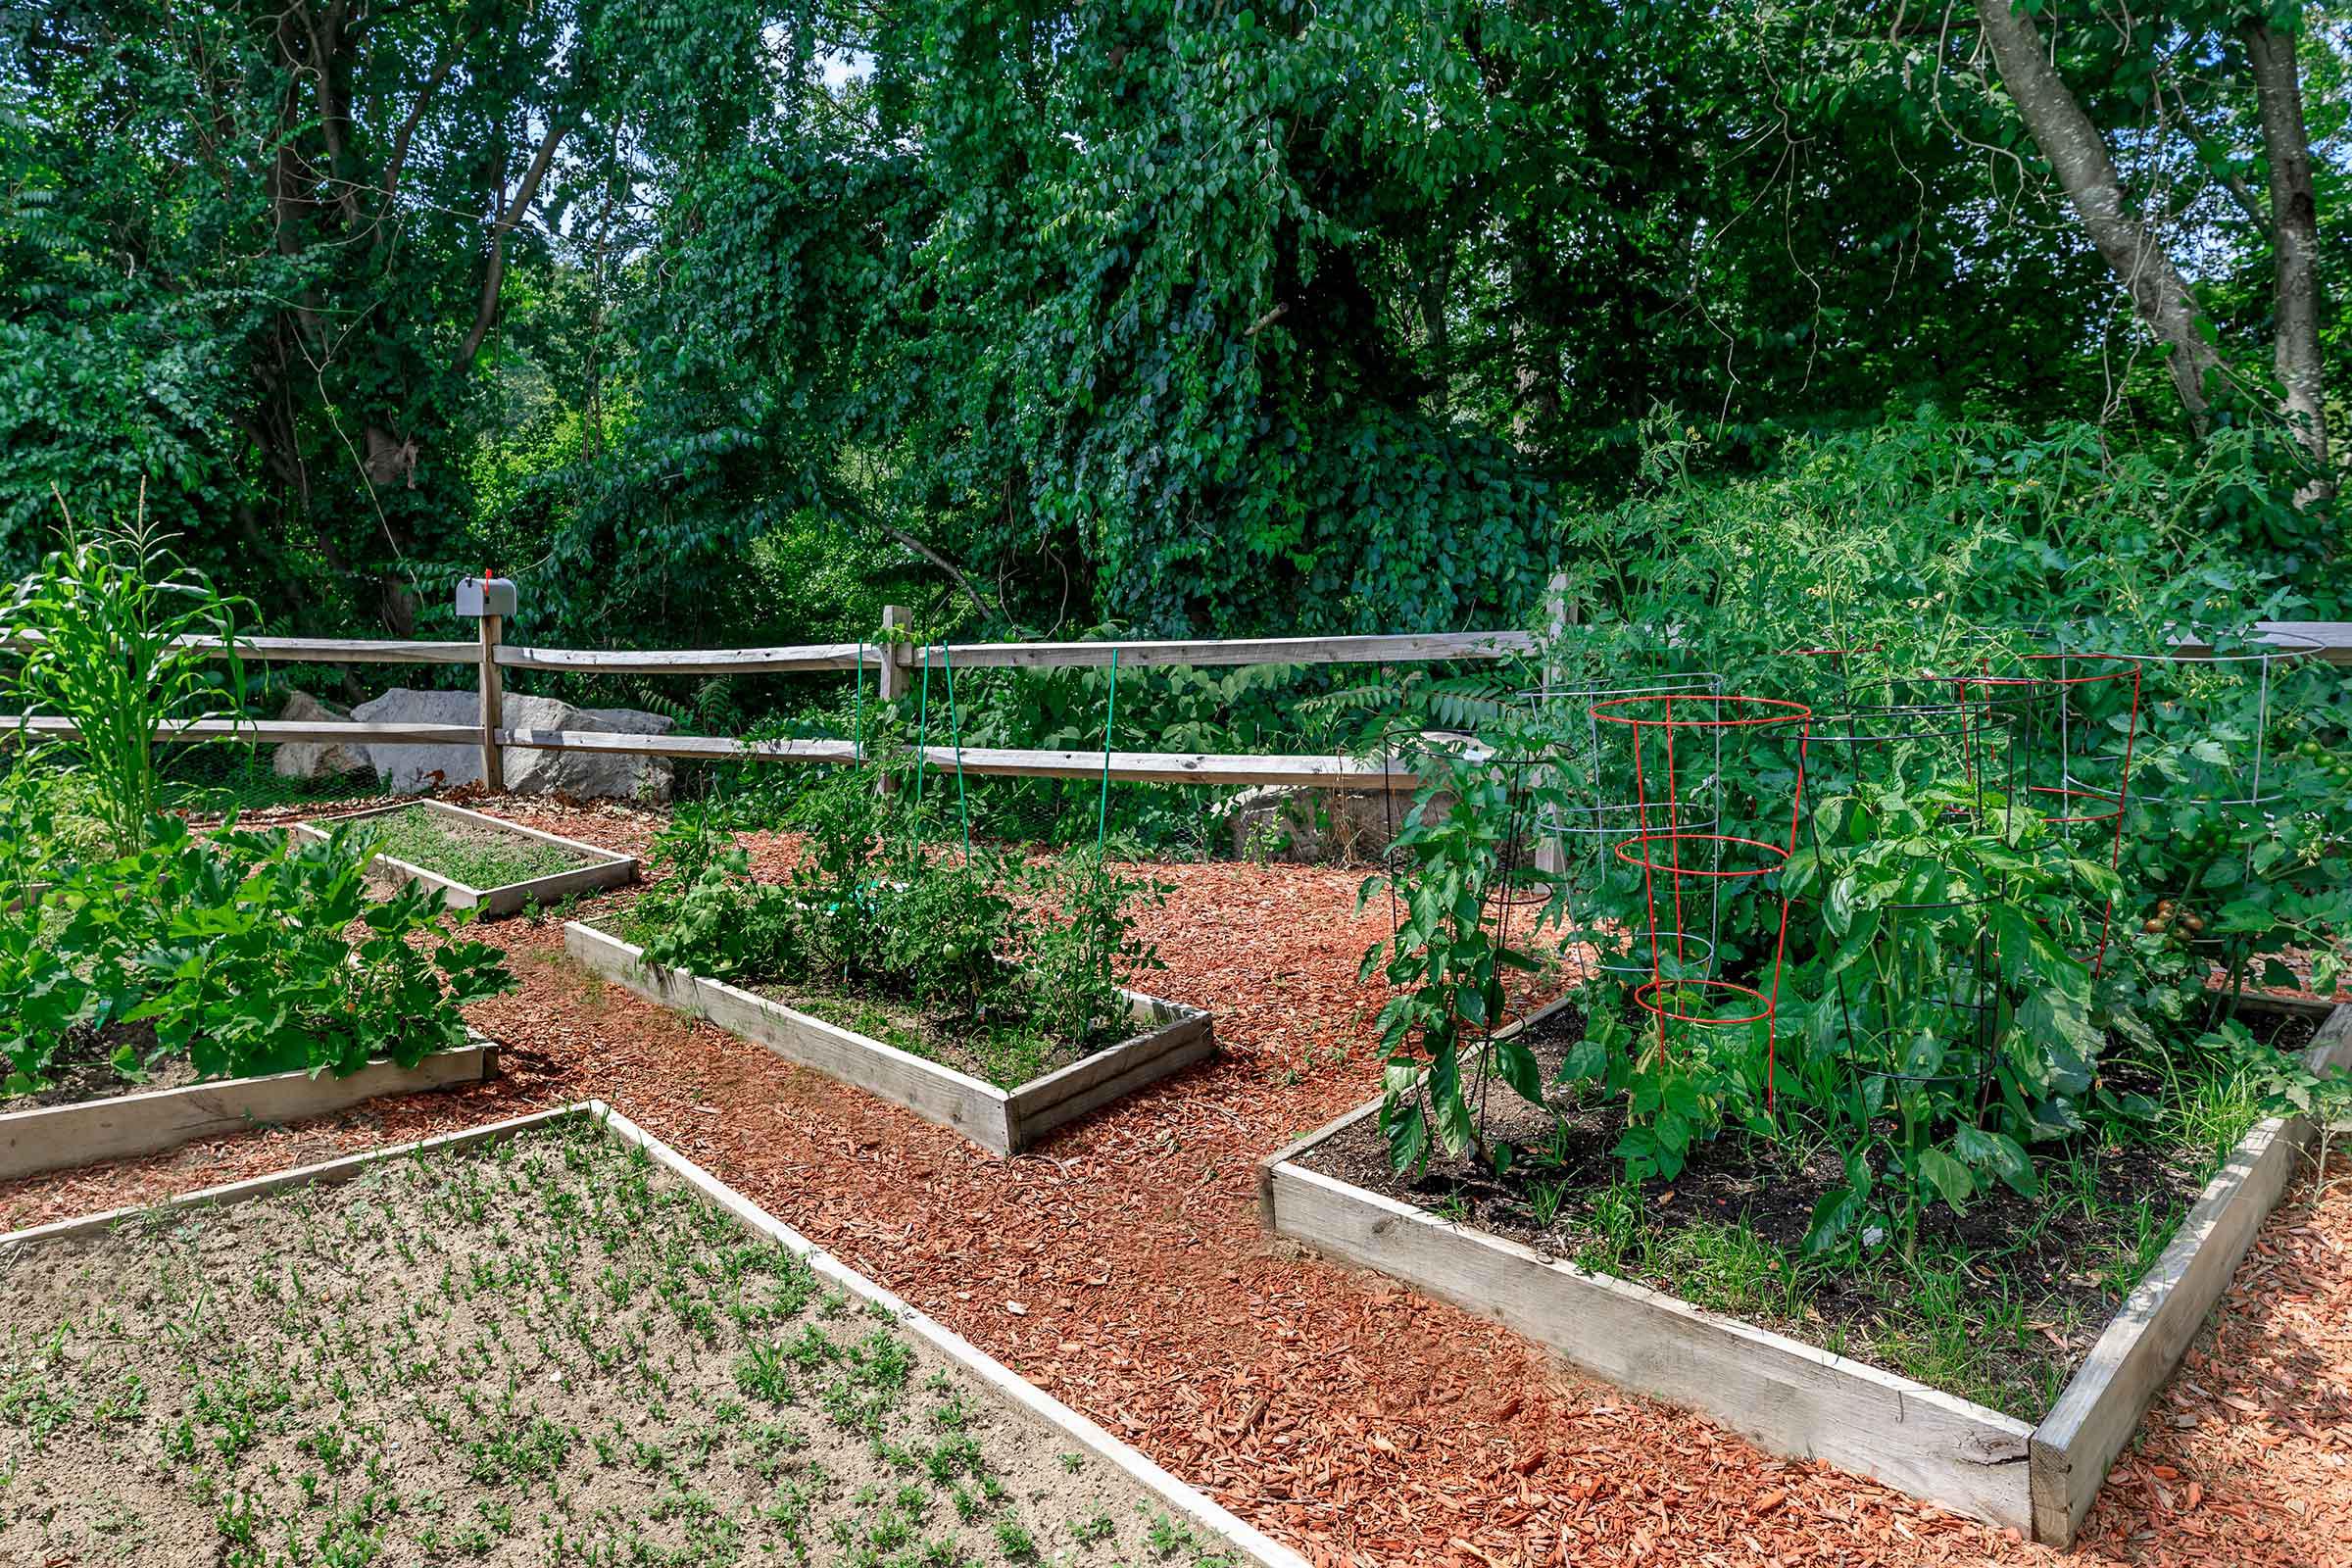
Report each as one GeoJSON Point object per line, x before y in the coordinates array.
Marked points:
{"type": "Point", "coordinates": [545, 1349]}
{"type": "Point", "coordinates": [466, 853]}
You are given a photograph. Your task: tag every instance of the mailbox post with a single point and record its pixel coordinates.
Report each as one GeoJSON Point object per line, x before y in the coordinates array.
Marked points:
{"type": "Point", "coordinates": [490, 601]}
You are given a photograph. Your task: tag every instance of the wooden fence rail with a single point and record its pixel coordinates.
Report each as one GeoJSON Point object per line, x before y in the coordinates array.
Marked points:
{"type": "Point", "coordinates": [896, 664]}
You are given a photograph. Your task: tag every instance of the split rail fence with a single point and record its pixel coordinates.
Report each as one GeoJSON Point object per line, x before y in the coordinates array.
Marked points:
{"type": "Point", "coordinates": [898, 665]}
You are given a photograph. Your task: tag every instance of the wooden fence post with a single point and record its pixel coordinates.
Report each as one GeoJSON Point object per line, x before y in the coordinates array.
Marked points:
{"type": "Point", "coordinates": [493, 693]}
{"type": "Point", "coordinates": [892, 681]}
{"type": "Point", "coordinates": [1560, 614]}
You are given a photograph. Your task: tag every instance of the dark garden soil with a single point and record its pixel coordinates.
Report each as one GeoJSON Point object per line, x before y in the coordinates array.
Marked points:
{"type": "Point", "coordinates": [2046, 1255]}
{"type": "Point", "coordinates": [1120, 1267]}
{"type": "Point", "coordinates": [83, 1070]}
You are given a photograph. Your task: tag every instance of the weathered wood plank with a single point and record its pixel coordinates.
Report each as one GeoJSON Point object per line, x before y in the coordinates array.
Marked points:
{"type": "Point", "coordinates": [318, 650]}
{"type": "Point", "coordinates": [323, 1173]}
{"type": "Point", "coordinates": [1400, 649]}
{"type": "Point", "coordinates": [2329, 640]}
{"type": "Point", "coordinates": [708, 748]}
{"type": "Point", "coordinates": [1157, 1023]}
{"type": "Point", "coordinates": [934, 1092]}
{"type": "Point", "coordinates": [694, 660]}
{"type": "Point", "coordinates": [264, 731]}
{"type": "Point", "coordinates": [1133, 767]}
{"type": "Point", "coordinates": [1059, 1098]}
{"type": "Point", "coordinates": [147, 1121]}
{"type": "Point", "coordinates": [2101, 1405]}
{"type": "Point", "coordinates": [1789, 1397]}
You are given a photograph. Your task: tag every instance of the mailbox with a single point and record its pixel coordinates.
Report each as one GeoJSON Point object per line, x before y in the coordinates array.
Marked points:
{"type": "Point", "coordinates": [485, 596]}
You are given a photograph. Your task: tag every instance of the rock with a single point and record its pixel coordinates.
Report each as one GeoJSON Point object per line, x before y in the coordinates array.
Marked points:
{"type": "Point", "coordinates": [316, 759]}
{"type": "Point", "coordinates": [414, 769]}
{"type": "Point", "coordinates": [1316, 827]}
{"type": "Point", "coordinates": [1338, 828]}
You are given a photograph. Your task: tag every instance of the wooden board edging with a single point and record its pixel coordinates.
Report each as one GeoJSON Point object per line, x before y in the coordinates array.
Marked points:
{"type": "Point", "coordinates": [1002, 1122]}
{"type": "Point", "coordinates": [1026, 1398]}
{"type": "Point", "coordinates": [607, 868]}
{"type": "Point", "coordinates": [1349, 1118]}
{"type": "Point", "coordinates": [149, 1121]}
{"type": "Point", "coordinates": [2100, 1408]}
{"type": "Point", "coordinates": [1788, 1396]}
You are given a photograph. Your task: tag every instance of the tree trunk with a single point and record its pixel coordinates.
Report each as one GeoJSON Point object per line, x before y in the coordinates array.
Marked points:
{"type": "Point", "coordinates": [2071, 142]}
{"type": "Point", "coordinates": [2295, 246]}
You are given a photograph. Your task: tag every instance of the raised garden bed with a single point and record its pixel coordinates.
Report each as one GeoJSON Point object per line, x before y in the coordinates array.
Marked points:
{"type": "Point", "coordinates": [1799, 1399]}
{"type": "Point", "coordinates": [548, 1339]}
{"type": "Point", "coordinates": [480, 861]}
{"type": "Point", "coordinates": [147, 1121]}
{"type": "Point", "coordinates": [1003, 1121]}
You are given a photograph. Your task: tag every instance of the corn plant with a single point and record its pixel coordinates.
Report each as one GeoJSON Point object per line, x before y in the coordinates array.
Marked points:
{"type": "Point", "coordinates": [112, 630]}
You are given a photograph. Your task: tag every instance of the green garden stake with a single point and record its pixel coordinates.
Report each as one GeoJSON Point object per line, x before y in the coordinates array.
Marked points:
{"type": "Point", "coordinates": [1110, 718]}
{"type": "Point", "coordinates": [922, 750]}
{"type": "Point", "coordinates": [955, 733]}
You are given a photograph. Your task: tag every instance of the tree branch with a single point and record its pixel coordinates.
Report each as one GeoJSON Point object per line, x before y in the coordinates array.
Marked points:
{"type": "Point", "coordinates": [2071, 142]}
{"type": "Point", "coordinates": [2295, 246]}
{"type": "Point", "coordinates": [486, 309]}
{"type": "Point", "coordinates": [442, 66]}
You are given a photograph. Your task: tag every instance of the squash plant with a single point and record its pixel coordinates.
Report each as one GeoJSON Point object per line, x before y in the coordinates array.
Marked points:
{"type": "Point", "coordinates": [238, 951]}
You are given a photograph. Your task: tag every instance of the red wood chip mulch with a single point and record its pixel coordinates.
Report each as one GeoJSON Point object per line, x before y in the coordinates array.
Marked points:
{"type": "Point", "coordinates": [1120, 1267]}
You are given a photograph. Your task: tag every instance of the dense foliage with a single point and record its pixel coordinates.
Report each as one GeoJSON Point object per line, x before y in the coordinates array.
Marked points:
{"type": "Point", "coordinates": [128, 941]}
{"type": "Point", "coordinates": [1024, 962]}
{"type": "Point", "coordinates": [725, 323]}
{"type": "Point", "coordinates": [1979, 963]}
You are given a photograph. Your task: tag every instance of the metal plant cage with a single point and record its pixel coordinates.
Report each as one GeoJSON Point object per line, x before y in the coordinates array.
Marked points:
{"type": "Point", "coordinates": [1740, 745]}
{"type": "Point", "coordinates": [2078, 720]}
{"type": "Point", "coordinates": [2208, 720]}
{"type": "Point", "coordinates": [1894, 743]}
{"type": "Point", "coordinates": [1591, 806]}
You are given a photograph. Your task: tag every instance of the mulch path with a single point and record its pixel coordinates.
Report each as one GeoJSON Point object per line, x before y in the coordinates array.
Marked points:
{"type": "Point", "coordinates": [1120, 1267]}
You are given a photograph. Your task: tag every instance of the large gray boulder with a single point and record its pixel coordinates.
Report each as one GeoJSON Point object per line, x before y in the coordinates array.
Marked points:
{"type": "Point", "coordinates": [587, 775]}
{"type": "Point", "coordinates": [1312, 826]}
{"type": "Point", "coordinates": [316, 759]}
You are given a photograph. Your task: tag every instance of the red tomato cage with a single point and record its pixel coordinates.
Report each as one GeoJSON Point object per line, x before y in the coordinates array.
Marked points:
{"type": "Point", "coordinates": [1721, 737]}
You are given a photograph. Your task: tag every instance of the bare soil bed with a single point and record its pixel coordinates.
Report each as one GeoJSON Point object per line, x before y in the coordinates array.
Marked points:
{"type": "Point", "coordinates": [2001, 1309]}
{"type": "Point", "coordinates": [543, 1349]}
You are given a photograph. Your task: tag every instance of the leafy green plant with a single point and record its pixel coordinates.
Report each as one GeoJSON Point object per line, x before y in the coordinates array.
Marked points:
{"type": "Point", "coordinates": [110, 628]}
{"type": "Point", "coordinates": [1447, 966]}
{"type": "Point", "coordinates": [244, 952]}
{"type": "Point", "coordinates": [1027, 962]}
{"type": "Point", "coordinates": [1946, 1021]}
{"type": "Point", "coordinates": [1079, 945]}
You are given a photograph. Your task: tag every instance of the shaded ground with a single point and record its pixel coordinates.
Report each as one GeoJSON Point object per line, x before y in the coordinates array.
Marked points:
{"type": "Point", "coordinates": [1119, 1265]}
